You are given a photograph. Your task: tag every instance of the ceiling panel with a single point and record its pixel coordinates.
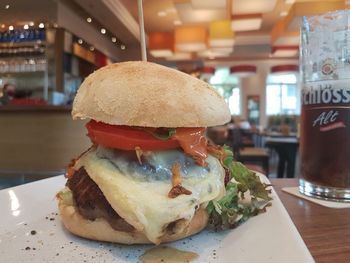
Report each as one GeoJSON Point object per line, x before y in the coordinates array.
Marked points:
{"type": "Point", "coordinates": [165, 15]}
{"type": "Point", "coordinates": [152, 9]}
{"type": "Point", "coordinates": [249, 40]}
{"type": "Point", "coordinates": [189, 15]}
{"type": "Point", "coordinates": [240, 7]}
{"type": "Point", "coordinates": [203, 4]}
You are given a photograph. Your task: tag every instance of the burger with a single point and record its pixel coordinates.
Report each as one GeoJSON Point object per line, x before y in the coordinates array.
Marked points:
{"type": "Point", "coordinates": [151, 175]}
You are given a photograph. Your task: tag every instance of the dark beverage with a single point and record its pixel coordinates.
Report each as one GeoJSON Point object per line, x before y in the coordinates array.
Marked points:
{"type": "Point", "coordinates": [325, 117]}
{"type": "Point", "coordinates": [325, 134]}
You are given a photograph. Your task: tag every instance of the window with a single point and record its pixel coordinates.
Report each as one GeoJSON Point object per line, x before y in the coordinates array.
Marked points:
{"type": "Point", "coordinates": [282, 95]}
{"type": "Point", "coordinates": [228, 87]}
{"type": "Point", "coordinates": [234, 102]}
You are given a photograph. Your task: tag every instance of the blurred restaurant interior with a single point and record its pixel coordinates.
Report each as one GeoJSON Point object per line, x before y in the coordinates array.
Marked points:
{"type": "Point", "coordinates": [247, 50]}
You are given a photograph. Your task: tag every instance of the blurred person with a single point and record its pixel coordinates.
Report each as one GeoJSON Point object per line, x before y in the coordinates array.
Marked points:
{"type": "Point", "coordinates": [8, 92]}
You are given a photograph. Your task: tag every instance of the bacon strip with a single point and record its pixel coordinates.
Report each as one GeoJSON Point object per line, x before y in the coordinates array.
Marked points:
{"type": "Point", "coordinates": [217, 151]}
{"type": "Point", "coordinates": [139, 153]}
{"type": "Point", "coordinates": [70, 167]}
{"type": "Point", "coordinates": [176, 179]}
{"type": "Point", "coordinates": [178, 190]}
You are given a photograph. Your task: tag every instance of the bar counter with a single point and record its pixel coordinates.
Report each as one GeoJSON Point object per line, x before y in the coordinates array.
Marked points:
{"type": "Point", "coordinates": [35, 108]}
{"type": "Point", "coordinates": [39, 139]}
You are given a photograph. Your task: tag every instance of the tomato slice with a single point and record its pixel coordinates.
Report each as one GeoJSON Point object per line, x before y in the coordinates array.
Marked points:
{"type": "Point", "coordinates": [126, 138]}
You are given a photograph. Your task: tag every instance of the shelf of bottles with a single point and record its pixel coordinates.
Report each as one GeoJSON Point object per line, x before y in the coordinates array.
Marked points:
{"type": "Point", "coordinates": [22, 35]}
{"type": "Point", "coordinates": [23, 51]}
{"type": "Point", "coordinates": [23, 65]}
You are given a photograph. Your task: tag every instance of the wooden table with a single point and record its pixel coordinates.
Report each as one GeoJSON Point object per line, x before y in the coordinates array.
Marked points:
{"type": "Point", "coordinates": [325, 231]}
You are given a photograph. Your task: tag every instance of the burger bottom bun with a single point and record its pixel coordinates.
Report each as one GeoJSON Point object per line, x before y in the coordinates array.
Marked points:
{"type": "Point", "coordinates": [100, 229]}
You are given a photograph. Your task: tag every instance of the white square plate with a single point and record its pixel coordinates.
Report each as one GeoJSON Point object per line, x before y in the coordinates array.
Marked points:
{"type": "Point", "coordinates": [31, 231]}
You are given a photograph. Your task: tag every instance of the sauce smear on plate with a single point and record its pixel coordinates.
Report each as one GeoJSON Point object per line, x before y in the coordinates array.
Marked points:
{"type": "Point", "coordinates": [165, 254]}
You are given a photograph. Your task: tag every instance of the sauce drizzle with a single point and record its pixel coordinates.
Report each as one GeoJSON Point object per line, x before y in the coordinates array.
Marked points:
{"type": "Point", "coordinates": [165, 254]}
{"type": "Point", "coordinates": [194, 143]}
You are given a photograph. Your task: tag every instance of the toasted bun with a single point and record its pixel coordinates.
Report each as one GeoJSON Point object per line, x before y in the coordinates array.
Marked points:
{"type": "Point", "coordinates": [100, 229]}
{"type": "Point", "coordinates": [149, 95]}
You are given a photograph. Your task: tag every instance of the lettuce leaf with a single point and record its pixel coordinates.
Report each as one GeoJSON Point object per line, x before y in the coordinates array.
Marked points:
{"type": "Point", "coordinates": [234, 208]}
{"type": "Point", "coordinates": [165, 135]}
{"type": "Point", "coordinates": [228, 156]}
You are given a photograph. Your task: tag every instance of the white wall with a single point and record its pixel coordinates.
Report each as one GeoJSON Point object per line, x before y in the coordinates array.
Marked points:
{"type": "Point", "coordinates": [254, 85]}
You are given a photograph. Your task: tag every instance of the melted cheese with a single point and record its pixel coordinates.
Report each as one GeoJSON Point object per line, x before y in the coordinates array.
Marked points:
{"type": "Point", "coordinates": [142, 200]}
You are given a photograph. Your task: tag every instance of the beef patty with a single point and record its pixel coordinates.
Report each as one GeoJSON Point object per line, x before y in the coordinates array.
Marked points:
{"type": "Point", "coordinates": [91, 202]}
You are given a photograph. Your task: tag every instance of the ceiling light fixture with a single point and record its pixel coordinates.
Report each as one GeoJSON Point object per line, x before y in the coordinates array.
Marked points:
{"type": "Point", "coordinates": [188, 15]}
{"type": "Point", "coordinates": [221, 34]}
{"type": "Point", "coordinates": [285, 51]}
{"type": "Point", "coordinates": [191, 38]}
{"type": "Point", "coordinates": [11, 28]}
{"type": "Point", "coordinates": [3, 25]}
{"type": "Point", "coordinates": [92, 48]}
{"type": "Point", "coordinates": [114, 39]}
{"type": "Point", "coordinates": [243, 71]}
{"type": "Point", "coordinates": [290, 2]}
{"type": "Point", "coordinates": [41, 25]}
{"type": "Point", "coordinates": [212, 53]}
{"type": "Point", "coordinates": [208, 4]}
{"type": "Point", "coordinates": [89, 19]}
{"type": "Point", "coordinates": [31, 23]}
{"type": "Point", "coordinates": [177, 22]}
{"type": "Point", "coordinates": [103, 31]}
{"type": "Point", "coordinates": [7, 6]}
{"type": "Point", "coordinates": [25, 26]}
{"type": "Point", "coordinates": [161, 53]}
{"type": "Point", "coordinates": [285, 39]}
{"type": "Point", "coordinates": [80, 41]}
{"type": "Point", "coordinates": [161, 44]}
{"type": "Point", "coordinates": [284, 69]}
{"type": "Point", "coordinates": [252, 6]}
{"type": "Point", "coordinates": [122, 47]}
{"type": "Point", "coordinates": [222, 50]}
{"type": "Point", "coordinates": [246, 22]}
{"type": "Point", "coordinates": [180, 56]}
{"type": "Point", "coordinates": [161, 13]}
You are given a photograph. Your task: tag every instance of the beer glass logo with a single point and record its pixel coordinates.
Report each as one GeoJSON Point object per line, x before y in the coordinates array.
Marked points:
{"type": "Point", "coordinates": [328, 120]}
{"type": "Point", "coordinates": [328, 101]}
{"type": "Point", "coordinates": [328, 66]}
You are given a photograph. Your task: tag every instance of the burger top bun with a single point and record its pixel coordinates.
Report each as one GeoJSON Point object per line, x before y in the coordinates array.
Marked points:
{"type": "Point", "coordinates": [149, 95]}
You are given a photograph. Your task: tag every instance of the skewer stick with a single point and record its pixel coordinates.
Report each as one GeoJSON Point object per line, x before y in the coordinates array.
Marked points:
{"type": "Point", "coordinates": [142, 31]}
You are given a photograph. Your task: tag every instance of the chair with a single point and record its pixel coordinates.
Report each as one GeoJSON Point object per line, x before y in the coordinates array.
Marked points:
{"type": "Point", "coordinates": [217, 134]}
{"type": "Point", "coordinates": [246, 138]}
{"type": "Point", "coordinates": [248, 155]}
